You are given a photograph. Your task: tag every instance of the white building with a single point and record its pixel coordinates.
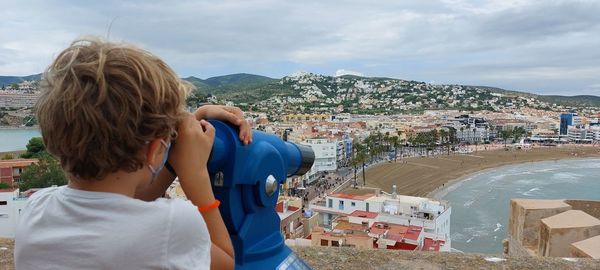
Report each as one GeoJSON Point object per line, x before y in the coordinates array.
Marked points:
{"type": "Point", "coordinates": [325, 158]}
{"type": "Point", "coordinates": [10, 211]}
{"type": "Point", "coordinates": [433, 216]}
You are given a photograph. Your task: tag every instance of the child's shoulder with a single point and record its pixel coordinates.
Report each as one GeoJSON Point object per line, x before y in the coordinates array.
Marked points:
{"type": "Point", "coordinates": [43, 193]}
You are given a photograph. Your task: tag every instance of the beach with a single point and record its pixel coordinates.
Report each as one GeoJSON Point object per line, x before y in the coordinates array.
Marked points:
{"type": "Point", "coordinates": [426, 176]}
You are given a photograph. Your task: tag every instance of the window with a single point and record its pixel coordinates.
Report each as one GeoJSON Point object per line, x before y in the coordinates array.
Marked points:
{"type": "Point", "coordinates": [341, 205]}
{"type": "Point", "coordinates": [3, 215]}
{"type": "Point", "coordinates": [324, 242]}
{"type": "Point", "coordinates": [335, 243]}
{"type": "Point", "coordinates": [330, 203]}
{"type": "Point", "coordinates": [367, 207]}
{"type": "Point", "coordinates": [3, 202]}
{"type": "Point", "coordinates": [352, 204]}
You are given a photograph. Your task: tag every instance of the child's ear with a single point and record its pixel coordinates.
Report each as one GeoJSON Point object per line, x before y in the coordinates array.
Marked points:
{"type": "Point", "coordinates": [153, 152]}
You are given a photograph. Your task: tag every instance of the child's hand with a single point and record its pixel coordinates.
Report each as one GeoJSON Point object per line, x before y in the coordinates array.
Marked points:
{"type": "Point", "coordinates": [230, 114]}
{"type": "Point", "coordinates": [192, 147]}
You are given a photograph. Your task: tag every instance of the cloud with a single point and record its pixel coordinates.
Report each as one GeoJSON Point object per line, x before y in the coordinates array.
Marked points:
{"type": "Point", "coordinates": [540, 46]}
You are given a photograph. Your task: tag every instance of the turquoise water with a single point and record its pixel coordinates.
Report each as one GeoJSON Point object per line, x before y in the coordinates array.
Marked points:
{"type": "Point", "coordinates": [16, 139]}
{"type": "Point", "coordinates": [480, 204]}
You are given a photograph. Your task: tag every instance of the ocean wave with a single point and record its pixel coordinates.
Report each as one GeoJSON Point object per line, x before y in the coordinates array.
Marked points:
{"type": "Point", "coordinates": [498, 226]}
{"type": "Point", "coordinates": [567, 176]}
{"type": "Point", "coordinates": [532, 192]}
{"type": "Point", "coordinates": [468, 203]}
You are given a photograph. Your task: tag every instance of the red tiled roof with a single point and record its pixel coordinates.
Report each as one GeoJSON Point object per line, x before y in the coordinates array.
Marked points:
{"type": "Point", "coordinates": [16, 162]}
{"type": "Point", "coordinates": [364, 214]}
{"type": "Point", "coordinates": [279, 207]}
{"type": "Point", "coordinates": [413, 233]}
{"type": "Point", "coordinates": [432, 245]}
{"type": "Point", "coordinates": [396, 232]}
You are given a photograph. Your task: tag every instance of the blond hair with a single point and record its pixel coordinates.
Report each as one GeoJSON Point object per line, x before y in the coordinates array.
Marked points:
{"type": "Point", "coordinates": [101, 102]}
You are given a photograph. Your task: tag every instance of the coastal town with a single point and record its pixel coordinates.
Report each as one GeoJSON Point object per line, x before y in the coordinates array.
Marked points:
{"type": "Point", "coordinates": [348, 197]}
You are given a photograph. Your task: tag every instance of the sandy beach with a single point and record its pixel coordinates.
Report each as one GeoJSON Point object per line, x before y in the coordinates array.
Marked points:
{"type": "Point", "coordinates": [421, 176]}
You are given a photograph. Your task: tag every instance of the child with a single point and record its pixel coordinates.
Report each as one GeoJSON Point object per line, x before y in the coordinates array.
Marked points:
{"type": "Point", "coordinates": [114, 115]}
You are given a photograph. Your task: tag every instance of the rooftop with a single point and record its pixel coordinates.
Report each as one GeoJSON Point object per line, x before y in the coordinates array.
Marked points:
{"type": "Point", "coordinates": [590, 246]}
{"type": "Point", "coordinates": [364, 214]}
{"type": "Point", "coordinates": [541, 204]}
{"type": "Point", "coordinates": [22, 162]}
{"type": "Point", "coordinates": [352, 196]}
{"type": "Point", "coordinates": [571, 219]}
{"type": "Point", "coordinates": [396, 232]}
{"type": "Point", "coordinates": [432, 245]}
{"type": "Point", "coordinates": [344, 225]}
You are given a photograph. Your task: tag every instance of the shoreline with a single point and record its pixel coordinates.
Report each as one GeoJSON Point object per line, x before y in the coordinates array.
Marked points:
{"type": "Point", "coordinates": [429, 177]}
{"type": "Point", "coordinates": [26, 128]}
{"type": "Point", "coordinates": [451, 185]}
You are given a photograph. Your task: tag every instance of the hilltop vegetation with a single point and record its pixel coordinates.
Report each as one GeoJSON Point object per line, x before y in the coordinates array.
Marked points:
{"type": "Point", "coordinates": [7, 80]}
{"type": "Point", "coordinates": [308, 92]}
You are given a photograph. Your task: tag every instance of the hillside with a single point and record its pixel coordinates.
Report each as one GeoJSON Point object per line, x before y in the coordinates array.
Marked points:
{"type": "Point", "coordinates": [6, 80]}
{"type": "Point", "coordinates": [308, 92]}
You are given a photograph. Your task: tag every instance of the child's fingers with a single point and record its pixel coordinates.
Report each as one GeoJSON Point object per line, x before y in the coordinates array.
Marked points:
{"type": "Point", "coordinates": [208, 128]}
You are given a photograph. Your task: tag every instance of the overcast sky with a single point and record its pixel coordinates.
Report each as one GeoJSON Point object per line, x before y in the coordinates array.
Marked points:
{"type": "Point", "coordinates": [540, 46]}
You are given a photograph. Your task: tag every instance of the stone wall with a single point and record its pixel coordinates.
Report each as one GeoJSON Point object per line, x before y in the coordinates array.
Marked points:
{"type": "Point", "coordinates": [351, 258]}
{"type": "Point", "coordinates": [550, 227]}
{"type": "Point", "coordinates": [590, 207]}
{"type": "Point", "coordinates": [361, 259]}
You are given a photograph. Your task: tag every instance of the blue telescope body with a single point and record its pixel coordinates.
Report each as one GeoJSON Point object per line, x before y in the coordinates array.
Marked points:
{"type": "Point", "coordinates": [246, 179]}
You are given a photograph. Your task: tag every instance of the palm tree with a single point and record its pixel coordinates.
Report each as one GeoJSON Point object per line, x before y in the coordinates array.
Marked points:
{"type": "Point", "coordinates": [395, 142]}
{"type": "Point", "coordinates": [487, 135]}
{"type": "Point", "coordinates": [476, 140]}
{"type": "Point", "coordinates": [468, 128]}
{"type": "Point", "coordinates": [443, 137]}
{"type": "Point", "coordinates": [506, 134]}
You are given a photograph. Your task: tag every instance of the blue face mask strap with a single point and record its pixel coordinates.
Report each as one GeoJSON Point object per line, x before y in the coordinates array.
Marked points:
{"type": "Point", "coordinates": [154, 171]}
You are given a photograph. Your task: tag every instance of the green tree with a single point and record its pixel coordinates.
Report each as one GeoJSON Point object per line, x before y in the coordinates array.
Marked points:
{"type": "Point", "coordinates": [8, 156]}
{"type": "Point", "coordinates": [14, 86]}
{"type": "Point", "coordinates": [4, 185]}
{"type": "Point", "coordinates": [506, 134]}
{"type": "Point", "coordinates": [35, 148]}
{"type": "Point", "coordinates": [45, 173]}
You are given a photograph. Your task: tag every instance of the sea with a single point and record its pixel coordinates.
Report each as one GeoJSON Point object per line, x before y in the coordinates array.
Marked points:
{"type": "Point", "coordinates": [13, 139]}
{"type": "Point", "coordinates": [480, 202]}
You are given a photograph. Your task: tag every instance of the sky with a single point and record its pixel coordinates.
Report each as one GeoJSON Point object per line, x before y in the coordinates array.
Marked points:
{"type": "Point", "coordinates": [544, 47]}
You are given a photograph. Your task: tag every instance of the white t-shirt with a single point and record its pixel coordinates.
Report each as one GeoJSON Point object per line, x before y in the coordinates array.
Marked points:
{"type": "Point", "coordinates": [65, 228]}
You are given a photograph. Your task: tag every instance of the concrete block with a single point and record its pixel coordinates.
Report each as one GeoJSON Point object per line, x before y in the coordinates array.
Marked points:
{"type": "Point", "coordinates": [558, 232]}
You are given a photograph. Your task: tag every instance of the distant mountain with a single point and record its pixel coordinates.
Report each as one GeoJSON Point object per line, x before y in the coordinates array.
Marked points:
{"type": "Point", "coordinates": [249, 88]}
{"type": "Point", "coordinates": [238, 80]}
{"type": "Point", "coordinates": [346, 89]}
{"type": "Point", "coordinates": [5, 80]}
{"type": "Point", "coordinates": [236, 87]}
{"type": "Point", "coordinates": [581, 100]}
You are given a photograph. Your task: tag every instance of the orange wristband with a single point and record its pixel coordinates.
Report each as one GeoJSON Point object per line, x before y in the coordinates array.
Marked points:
{"type": "Point", "coordinates": [214, 204]}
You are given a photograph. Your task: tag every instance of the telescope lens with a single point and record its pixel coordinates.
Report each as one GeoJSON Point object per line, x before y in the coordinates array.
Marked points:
{"type": "Point", "coordinates": [308, 159]}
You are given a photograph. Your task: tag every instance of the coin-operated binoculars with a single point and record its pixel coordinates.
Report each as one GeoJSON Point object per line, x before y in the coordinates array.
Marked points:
{"type": "Point", "coordinates": [246, 179]}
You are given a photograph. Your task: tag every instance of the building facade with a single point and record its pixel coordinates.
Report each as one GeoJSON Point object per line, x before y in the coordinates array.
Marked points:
{"type": "Point", "coordinates": [401, 214]}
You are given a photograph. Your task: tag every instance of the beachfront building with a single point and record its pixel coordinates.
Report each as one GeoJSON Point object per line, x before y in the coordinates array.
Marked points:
{"type": "Point", "coordinates": [568, 120]}
{"type": "Point", "coordinates": [11, 205]}
{"type": "Point", "coordinates": [325, 159]}
{"type": "Point", "coordinates": [430, 217]}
